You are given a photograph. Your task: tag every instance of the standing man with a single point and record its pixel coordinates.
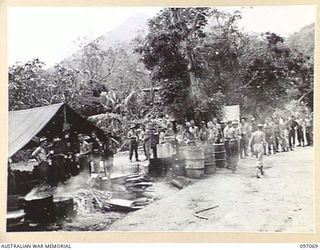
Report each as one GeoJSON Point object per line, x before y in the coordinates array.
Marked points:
{"type": "Point", "coordinates": [277, 133]}
{"type": "Point", "coordinates": [292, 132]}
{"type": "Point", "coordinates": [41, 155]}
{"type": "Point", "coordinates": [133, 143]}
{"type": "Point", "coordinates": [228, 133]}
{"type": "Point", "coordinates": [244, 133]}
{"type": "Point", "coordinates": [194, 130]}
{"type": "Point", "coordinates": [58, 160]}
{"type": "Point", "coordinates": [162, 135]}
{"type": "Point", "coordinates": [212, 136]}
{"type": "Point", "coordinates": [188, 136]}
{"type": "Point", "coordinates": [96, 146]}
{"type": "Point", "coordinates": [217, 127]}
{"type": "Point", "coordinates": [269, 136]}
{"type": "Point", "coordinates": [85, 150]}
{"type": "Point", "coordinates": [300, 128]}
{"type": "Point", "coordinates": [284, 134]}
{"type": "Point", "coordinates": [257, 143]}
{"type": "Point", "coordinates": [171, 136]}
{"type": "Point", "coordinates": [154, 141]}
{"type": "Point", "coordinates": [309, 132]}
{"type": "Point", "coordinates": [204, 133]}
{"type": "Point", "coordinates": [145, 138]}
{"type": "Point", "coordinates": [107, 153]}
{"type": "Point", "coordinates": [234, 143]}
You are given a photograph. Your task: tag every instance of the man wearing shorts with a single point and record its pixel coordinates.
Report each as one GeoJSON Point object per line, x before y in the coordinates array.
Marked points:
{"type": "Point", "coordinates": [257, 142]}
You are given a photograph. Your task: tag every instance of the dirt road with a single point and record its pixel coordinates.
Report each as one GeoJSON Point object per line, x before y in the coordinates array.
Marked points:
{"type": "Point", "coordinates": [281, 201]}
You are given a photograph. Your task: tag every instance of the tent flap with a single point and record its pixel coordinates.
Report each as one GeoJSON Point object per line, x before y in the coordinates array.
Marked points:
{"type": "Point", "coordinates": [25, 124]}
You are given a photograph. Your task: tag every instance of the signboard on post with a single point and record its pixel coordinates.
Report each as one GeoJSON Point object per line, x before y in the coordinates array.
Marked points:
{"type": "Point", "coordinates": [231, 113]}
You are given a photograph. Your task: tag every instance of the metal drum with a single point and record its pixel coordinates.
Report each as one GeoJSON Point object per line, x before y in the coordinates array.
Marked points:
{"type": "Point", "coordinates": [64, 207]}
{"type": "Point", "coordinates": [179, 167]}
{"type": "Point", "coordinates": [156, 168]}
{"type": "Point", "coordinates": [194, 160]}
{"type": "Point", "coordinates": [209, 160]}
{"type": "Point", "coordinates": [40, 209]}
{"type": "Point", "coordinates": [220, 155]}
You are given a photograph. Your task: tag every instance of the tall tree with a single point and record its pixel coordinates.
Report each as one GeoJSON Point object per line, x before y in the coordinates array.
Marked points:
{"type": "Point", "coordinates": [31, 86]}
{"type": "Point", "coordinates": [218, 57]}
{"type": "Point", "coordinates": [97, 64]}
{"type": "Point", "coordinates": [27, 85]}
{"type": "Point", "coordinates": [169, 53]}
{"type": "Point", "coordinates": [269, 71]}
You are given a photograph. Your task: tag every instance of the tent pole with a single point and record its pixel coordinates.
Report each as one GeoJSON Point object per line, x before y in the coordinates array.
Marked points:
{"type": "Point", "coordinates": [65, 126]}
{"type": "Point", "coordinates": [65, 113]}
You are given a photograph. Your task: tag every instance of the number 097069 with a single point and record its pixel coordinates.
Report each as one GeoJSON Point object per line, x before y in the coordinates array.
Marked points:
{"type": "Point", "coordinates": [308, 245]}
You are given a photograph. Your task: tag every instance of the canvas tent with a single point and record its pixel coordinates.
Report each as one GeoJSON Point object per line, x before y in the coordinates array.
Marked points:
{"type": "Point", "coordinates": [49, 121]}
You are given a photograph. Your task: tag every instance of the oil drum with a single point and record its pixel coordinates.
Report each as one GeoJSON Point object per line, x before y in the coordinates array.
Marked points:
{"type": "Point", "coordinates": [194, 160]}
{"type": "Point", "coordinates": [40, 209]}
{"type": "Point", "coordinates": [209, 160]}
{"type": "Point", "coordinates": [220, 155]}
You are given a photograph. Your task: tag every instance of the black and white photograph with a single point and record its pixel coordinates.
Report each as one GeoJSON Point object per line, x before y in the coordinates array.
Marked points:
{"type": "Point", "coordinates": [161, 119]}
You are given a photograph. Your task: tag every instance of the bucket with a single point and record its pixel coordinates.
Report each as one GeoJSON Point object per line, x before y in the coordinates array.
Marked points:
{"type": "Point", "coordinates": [220, 155]}
{"type": "Point", "coordinates": [194, 160]}
{"type": "Point", "coordinates": [209, 160]}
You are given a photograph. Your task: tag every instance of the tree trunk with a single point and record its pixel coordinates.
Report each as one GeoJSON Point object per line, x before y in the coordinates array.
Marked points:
{"type": "Point", "coordinates": [194, 89]}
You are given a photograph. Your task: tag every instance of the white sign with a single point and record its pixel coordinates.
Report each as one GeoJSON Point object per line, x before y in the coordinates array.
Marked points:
{"type": "Point", "coordinates": [231, 113]}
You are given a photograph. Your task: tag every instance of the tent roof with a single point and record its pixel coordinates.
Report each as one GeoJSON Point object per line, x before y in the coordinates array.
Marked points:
{"type": "Point", "coordinates": [27, 123]}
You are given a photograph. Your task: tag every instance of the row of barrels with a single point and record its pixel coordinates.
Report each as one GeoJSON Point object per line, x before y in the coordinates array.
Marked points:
{"type": "Point", "coordinates": [191, 161]}
{"type": "Point", "coordinates": [200, 160]}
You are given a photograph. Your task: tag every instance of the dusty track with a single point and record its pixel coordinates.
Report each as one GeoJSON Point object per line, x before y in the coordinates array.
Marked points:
{"type": "Point", "coordinates": [281, 201]}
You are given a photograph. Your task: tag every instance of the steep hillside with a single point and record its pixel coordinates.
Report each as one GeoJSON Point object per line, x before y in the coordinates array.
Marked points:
{"type": "Point", "coordinates": [303, 40]}
{"type": "Point", "coordinates": [128, 72]}
{"type": "Point", "coordinates": [120, 36]}
{"type": "Point", "coordinates": [125, 32]}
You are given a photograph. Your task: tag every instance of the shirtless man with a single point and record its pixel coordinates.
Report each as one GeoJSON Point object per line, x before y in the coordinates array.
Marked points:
{"type": "Point", "coordinates": [257, 142]}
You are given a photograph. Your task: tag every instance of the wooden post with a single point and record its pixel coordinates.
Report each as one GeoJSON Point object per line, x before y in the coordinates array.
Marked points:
{"type": "Point", "coordinates": [65, 128]}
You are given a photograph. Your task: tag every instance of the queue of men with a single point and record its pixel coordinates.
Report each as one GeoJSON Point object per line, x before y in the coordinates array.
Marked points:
{"type": "Point", "coordinates": [60, 158]}
{"type": "Point", "coordinates": [247, 138]}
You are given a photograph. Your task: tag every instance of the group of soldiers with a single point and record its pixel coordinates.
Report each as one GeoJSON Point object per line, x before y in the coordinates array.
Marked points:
{"type": "Point", "coordinates": [149, 136]}
{"type": "Point", "coordinates": [276, 134]}
{"type": "Point", "coordinates": [247, 138]}
{"type": "Point", "coordinates": [61, 158]}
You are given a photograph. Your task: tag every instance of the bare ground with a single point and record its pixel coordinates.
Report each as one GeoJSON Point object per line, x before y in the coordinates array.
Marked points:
{"type": "Point", "coordinates": [281, 201]}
